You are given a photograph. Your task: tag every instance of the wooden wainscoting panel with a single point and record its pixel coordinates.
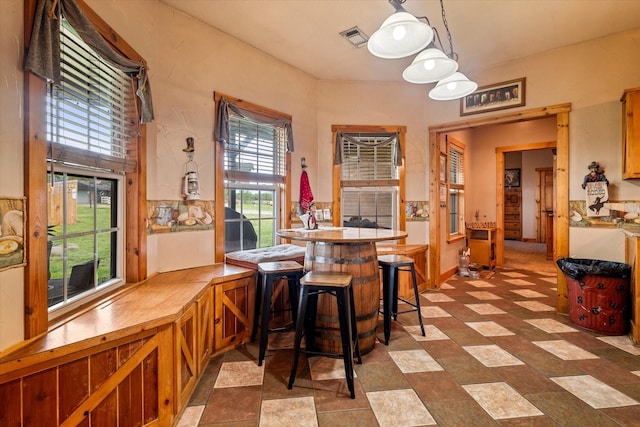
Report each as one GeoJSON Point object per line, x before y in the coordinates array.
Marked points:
{"type": "Point", "coordinates": [185, 354]}
{"type": "Point", "coordinates": [233, 311]}
{"type": "Point", "coordinates": [205, 328]}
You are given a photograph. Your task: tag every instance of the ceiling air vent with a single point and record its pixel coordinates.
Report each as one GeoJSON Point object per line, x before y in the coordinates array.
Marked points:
{"type": "Point", "coordinates": [355, 36]}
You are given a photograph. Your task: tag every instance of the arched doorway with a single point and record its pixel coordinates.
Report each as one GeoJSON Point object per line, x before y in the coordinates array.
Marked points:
{"type": "Point", "coordinates": [561, 225]}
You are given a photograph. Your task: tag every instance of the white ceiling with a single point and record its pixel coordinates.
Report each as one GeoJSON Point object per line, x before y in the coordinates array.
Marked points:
{"type": "Point", "coordinates": [305, 33]}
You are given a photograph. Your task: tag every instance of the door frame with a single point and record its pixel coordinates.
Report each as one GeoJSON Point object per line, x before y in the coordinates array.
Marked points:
{"type": "Point", "coordinates": [561, 226]}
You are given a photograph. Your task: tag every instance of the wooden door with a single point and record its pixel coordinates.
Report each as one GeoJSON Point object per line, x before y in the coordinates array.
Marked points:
{"type": "Point", "coordinates": [544, 202]}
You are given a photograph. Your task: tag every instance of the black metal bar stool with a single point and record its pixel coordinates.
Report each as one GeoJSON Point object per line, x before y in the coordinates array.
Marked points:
{"type": "Point", "coordinates": [271, 272]}
{"type": "Point", "coordinates": [339, 285]}
{"type": "Point", "coordinates": [391, 266]}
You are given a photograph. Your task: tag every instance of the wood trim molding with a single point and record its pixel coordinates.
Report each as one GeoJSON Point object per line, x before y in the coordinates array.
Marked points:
{"type": "Point", "coordinates": [561, 232]}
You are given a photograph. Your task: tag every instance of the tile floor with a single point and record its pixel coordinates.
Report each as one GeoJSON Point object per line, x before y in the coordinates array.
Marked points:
{"type": "Point", "coordinates": [495, 353]}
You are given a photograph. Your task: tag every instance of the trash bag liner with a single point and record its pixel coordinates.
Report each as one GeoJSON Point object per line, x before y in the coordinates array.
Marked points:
{"type": "Point", "coordinates": [578, 267]}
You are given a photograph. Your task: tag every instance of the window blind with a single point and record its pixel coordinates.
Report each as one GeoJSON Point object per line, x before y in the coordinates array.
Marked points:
{"type": "Point", "coordinates": [456, 166]}
{"type": "Point", "coordinates": [368, 161]}
{"type": "Point", "coordinates": [91, 114]}
{"type": "Point", "coordinates": [255, 150]}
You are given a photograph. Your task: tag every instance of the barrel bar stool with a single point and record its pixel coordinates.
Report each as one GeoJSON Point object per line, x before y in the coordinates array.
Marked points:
{"type": "Point", "coordinates": [391, 266]}
{"type": "Point", "coordinates": [271, 272]}
{"type": "Point", "coordinates": [339, 285]}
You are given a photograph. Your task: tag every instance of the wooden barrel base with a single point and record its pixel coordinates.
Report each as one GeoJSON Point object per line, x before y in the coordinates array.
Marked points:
{"type": "Point", "coordinates": [360, 260]}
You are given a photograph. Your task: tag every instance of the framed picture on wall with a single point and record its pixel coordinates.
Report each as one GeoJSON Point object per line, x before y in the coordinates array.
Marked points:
{"type": "Point", "coordinates": [443, 195]}
{"type": "Point", "coordinates": [494, 97]}
{"type": "Point", "coordinates": [443, 167]}
{"type": "Point", "coordinates": [512, 177]}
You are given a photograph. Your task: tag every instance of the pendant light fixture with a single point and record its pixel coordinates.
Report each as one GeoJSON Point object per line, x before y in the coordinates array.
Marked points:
{"type": "Point", "coordinates": [453, 87]}
{"type": "Point", "coordinates": [402, 34]}
{"type": "Point", "coordinates": [430, 66]}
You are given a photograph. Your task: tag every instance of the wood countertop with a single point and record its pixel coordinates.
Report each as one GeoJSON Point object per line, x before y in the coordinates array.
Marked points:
{"type": "Point", "coordinates": [342, 234]}
{"type": "Point", "coordinates": [156, 302]}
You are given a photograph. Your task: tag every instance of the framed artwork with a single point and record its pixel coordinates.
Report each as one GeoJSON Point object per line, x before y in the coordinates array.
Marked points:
{"type": "Point", "coordinates": [443, 196]}
{"type": "Point", "coordinates": [494, 97]}
{"type": "Point", "coordinates": [443, 167]}
{"type": "Point", "coordinates": [512, 177]}
{"type": "Point", "coordinates": [12, 225]}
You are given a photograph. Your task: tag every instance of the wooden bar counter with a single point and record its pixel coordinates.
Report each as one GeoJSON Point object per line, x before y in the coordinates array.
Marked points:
{"type": "Point", "coordinates": [135, 358]}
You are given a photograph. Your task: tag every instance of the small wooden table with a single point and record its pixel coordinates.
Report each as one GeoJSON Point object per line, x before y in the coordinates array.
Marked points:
{"type": "Point", "coordinates": [348, 250]}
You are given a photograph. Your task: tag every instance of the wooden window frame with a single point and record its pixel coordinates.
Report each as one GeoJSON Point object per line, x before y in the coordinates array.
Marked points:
{"type": "Point", "coordinates": [461, 148]}
{"type": "Point", "coordinates": [36, 320]}
{"type": "Point", "coordinates": [285, 195]}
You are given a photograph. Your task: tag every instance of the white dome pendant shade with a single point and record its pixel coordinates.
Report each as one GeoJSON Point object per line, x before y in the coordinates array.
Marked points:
{"type": "Point", "coordinates": [430, 66]}
{"type": "Point", "coordinates": [453, 87]}
{"type": "Point", "coordinates": [400, 35]}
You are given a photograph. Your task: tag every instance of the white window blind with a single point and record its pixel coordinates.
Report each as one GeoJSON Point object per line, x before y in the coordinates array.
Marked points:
{"type": "Point", "coordinates": [255, 150]}
{"type": "Point", "coordinates": [369, 181]}
{"type": "Point", "coordinates": [91, 113]}
{"type": "Point", "coordinates": [456, 166]}
{"type": "Point", "coordinates": [367, 161]}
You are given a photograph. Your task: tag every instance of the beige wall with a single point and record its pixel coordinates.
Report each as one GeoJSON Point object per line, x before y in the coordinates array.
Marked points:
{"type": "Point", "coordinates": [189, 61]}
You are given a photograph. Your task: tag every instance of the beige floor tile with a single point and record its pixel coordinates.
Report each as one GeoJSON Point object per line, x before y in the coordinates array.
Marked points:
{"type": "Point", "coordinates": [513, 274]}
{"type": "Point", "coordinates": [437, 297]}
{"type": "Point", "coordinates": [191, 416]}
{"type": "Point", "coordinates": [431, 311]}
{"type": "Point", "coordinates": [431, 333]}
{"type": "Point", "coordinates": [299, 411]}
{"type": "Point", "coordinates": [410, 361]}
{"type": "Point", "coordinates": [520, 282]}
{"type": "Point", "coordinates": [492, 356]}
{"type": "Point", "coordinates": [501, 401]}
{"type": "Point", "coordinates": [534, 306]}
{"type": "Point", "coordinates": [484, 295]}
{"type": "Point", "coordinates": [481, 284]}
{"type": "Point", "coordinates": [489, 329]}
{"type": "Point", "coordinates": [485, 309]}
{"type": "Point", "coordinates": [399, 408]}
{"type": "Point", "coordinates": [636, 373]}
{"type": "Point", "coordinates": [565, 350]}
{"type": "Point", "coordinates": [594, 392]}
{"type": "Point", "coordinates": [623, 342]}
{"type": "Point", "coordinates": [327, 368]}
{"type": "Point", "coordinates": [446, 286]}
{"type": "Point", "coordinates": [237, 374]}
{"type": "Point", "coordinates": [550, 325]}
{"type": "Point", "coordinates": [528, 293]}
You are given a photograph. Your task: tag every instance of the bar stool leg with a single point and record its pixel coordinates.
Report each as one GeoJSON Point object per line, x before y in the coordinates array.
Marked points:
{"type": "Point", "coordinates": [417, 295]}
{"type": "Point", "coordinates": [387, 298]}
{"type": "Point", "coordinates": [394, 289]}
{"type": "Point", "coordinates": [354, 326]}
{"type": "Point", "coordinates": [293, 295]}
{"type": "Point", "coordinates": [302, 308]}
{"type": "Point", "coordinates": [257, 305]}
{"type": "Point", "coordinates": [267, 285]}
{"type": "Point", "coordinates": [344, 315]}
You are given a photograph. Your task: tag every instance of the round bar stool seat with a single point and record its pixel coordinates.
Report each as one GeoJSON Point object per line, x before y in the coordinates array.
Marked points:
{"type": "Point", "coordinates": [391, 265]}
{"type": "Point", "coordinates": [339, 285]}
{"type": "Point", "coordinates": [271, 272]}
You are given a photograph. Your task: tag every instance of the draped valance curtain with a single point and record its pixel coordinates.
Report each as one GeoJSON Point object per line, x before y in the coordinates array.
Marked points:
{"type": "Point", "coordinates": [43, 56]}
{"type": "Point", "coordinates": [221, 131]}
{"type": "Point", "coordinates": [393, 139]}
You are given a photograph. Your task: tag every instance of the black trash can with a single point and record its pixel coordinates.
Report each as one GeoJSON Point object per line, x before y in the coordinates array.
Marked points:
{"type": "Point", "coordinates": [599, 294]}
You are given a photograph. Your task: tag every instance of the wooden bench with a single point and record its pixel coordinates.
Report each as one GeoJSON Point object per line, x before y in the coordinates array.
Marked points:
{"type": "Point", "coordinates": [136, 357]}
